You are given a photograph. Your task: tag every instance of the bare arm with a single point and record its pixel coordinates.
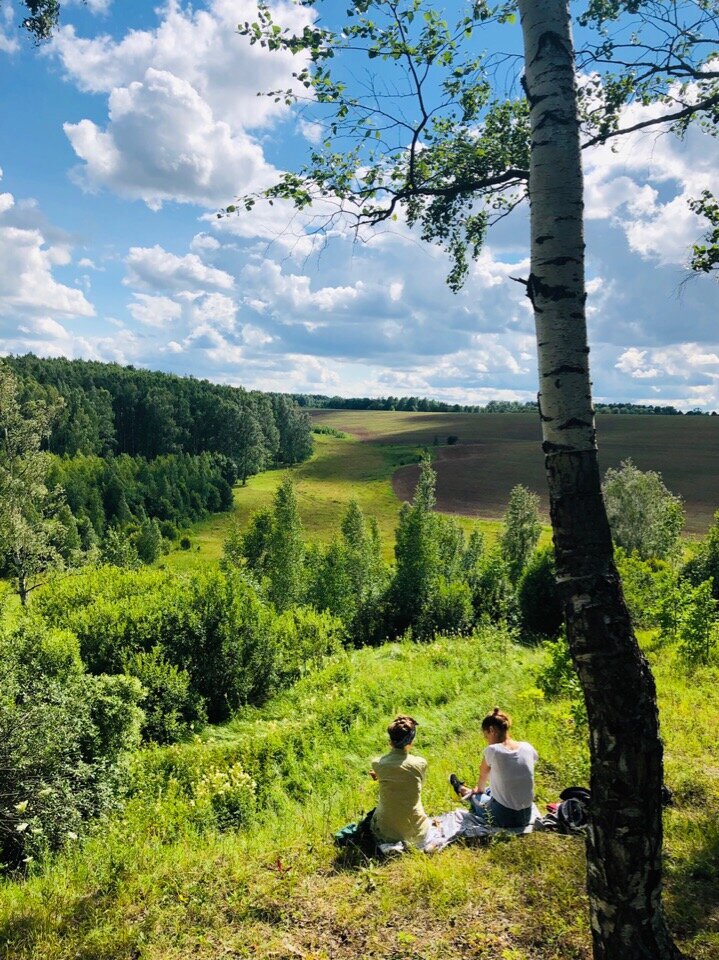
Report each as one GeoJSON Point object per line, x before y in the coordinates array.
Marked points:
{"type": "Point", "coordinates": [484, 772]}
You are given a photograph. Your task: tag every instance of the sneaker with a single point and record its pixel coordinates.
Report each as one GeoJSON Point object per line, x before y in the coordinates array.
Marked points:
{"type": "Point", "coordinates": [456, 784]}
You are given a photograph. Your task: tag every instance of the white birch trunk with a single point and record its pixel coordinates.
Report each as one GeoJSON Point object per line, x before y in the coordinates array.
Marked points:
{"type": "Point", "coordinates": [624, 844]}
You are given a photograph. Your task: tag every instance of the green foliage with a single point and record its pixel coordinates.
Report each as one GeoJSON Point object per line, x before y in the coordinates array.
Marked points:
{"type": "Point", "coordinates": [38, 535]}
{"type": "Point", "coordinates": [651, 590]}
{"type": "Point", "coordinates": [539, 605]}
{"type": "Point", "coordinates": [117, 550]}
{"type": "Point", "coordinates": [148, 541]}
{"type": "Point", "coordinates": [557, 678]}
{"type": "Point", "coordinates": [173, 710]}
{"type": "Point", "coordinates": [446, 610]}
{"type": "Point", "coordinates": [493, 595]}
{"type": "Point", "coordinates": [417, 552]}
{"type": "Point", "coordinates": [63, 736]}
{"type": "Point", "coordinates": [704, 565]}
{"type": "Point", "coordinates": [698, 627]}
{"type": "Point", "coordinates": [705, 256]}
{"type": "Point", "coordinates": [109, 408]}
{"type": "Point", "coordinates": [522, 528]}
{"type": "Point", "coordinates": [284, 564]}
{"type": "Point", "coordinates": [644, 516]}
{"type": "Point", "coordinates": [206, 642]}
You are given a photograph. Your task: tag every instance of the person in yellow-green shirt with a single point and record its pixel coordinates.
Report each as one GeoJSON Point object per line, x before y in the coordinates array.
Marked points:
{"type": "Point", "coordinates": [399, 815]}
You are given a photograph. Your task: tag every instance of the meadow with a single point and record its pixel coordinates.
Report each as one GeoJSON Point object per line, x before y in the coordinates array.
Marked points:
{"type": "Point", "coordinates": [162, 881]}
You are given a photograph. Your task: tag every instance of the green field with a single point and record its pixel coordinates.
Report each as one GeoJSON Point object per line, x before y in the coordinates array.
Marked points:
{"type": "Point", "coordinates": [341, 469]}
{"type": "Point", "coordinates": [376, 463]}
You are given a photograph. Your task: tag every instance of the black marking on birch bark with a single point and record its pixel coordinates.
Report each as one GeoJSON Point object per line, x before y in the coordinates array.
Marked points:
{"type": "Point", "coordinates": [544, 238]}
{"type": "Point", "coordinates": [565, 368]}
{"type": "Point", "coordinates": [547, 291]}
{"type": "Point", "coordinates": [547, 40]}
{"type": "Point", "coordinates": [574, 422]}
{"type": "Point", "coordinates": [561, 261]}
{"type": "Point", "coordinates": [548, 447]}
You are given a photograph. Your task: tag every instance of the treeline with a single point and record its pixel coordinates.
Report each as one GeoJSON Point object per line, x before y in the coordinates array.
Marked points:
{"type": "Point", "coordinates": [175, 489]}
{"type": "Point", "coordinates": [426, 405]}
{"type": "Point", "coordinates": [110, 409]}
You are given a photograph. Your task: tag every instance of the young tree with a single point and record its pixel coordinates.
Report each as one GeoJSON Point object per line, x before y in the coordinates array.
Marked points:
{"type": "Point", "coordinates": [285, 550]}
{"type": "Point", "coordinates": [416, 551]}
{"type": "Point", "coordinates": [644, 515]}
{"type": "Point", "coordinates": [31, 531]}
{"type": "Point", "coordinates": [521, 531]}
{"type": "Point", "coordinates": [455, 157]}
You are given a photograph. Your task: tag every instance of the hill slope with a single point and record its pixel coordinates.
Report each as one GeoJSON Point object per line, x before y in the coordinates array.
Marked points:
{"type": "Point", "coordinates": [164, 881]}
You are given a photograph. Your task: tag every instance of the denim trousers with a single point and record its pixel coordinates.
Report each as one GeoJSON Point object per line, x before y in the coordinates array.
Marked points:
{"type": "Point", "coordinates": [494, 814]}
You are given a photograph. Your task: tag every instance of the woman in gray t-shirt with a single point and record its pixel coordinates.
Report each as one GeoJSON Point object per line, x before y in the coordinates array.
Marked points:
{"type": "Point", "coordinates": [509, 765]}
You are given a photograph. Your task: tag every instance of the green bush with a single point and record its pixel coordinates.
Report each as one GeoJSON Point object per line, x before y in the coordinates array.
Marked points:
{"type": "Point", "coordinates": [493, 596]}
{"type": "Point", "coordinates": [448, 609]}
{"type": "Point", "coordinates": [537, 596]}
{"type": "Point", "coordinates": [63, 736]}
{"type": "Point", "coordinates": [172, 708]}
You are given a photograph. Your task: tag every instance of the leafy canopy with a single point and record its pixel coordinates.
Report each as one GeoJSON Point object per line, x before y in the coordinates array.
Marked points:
{"type": "Point", "coordinates": [440, 134]}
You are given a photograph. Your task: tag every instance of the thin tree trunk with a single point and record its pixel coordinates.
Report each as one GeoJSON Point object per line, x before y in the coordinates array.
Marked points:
{"type": "Point", "coordinates": [624, 845]}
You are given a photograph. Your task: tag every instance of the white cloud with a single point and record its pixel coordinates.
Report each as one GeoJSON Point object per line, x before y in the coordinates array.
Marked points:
{"type": "Point", "coordinates": [163, 143]}
{"type": "Point", "coordinates": [8, 42]}
{"type": "Point", "coordinates": [27, 260]}
{"type": "Point", "coordinates": [181, 100]}
{"type": "Point", "coordinates": [154, 311]}
{"type": "Point", "coordinates": [154, 269]}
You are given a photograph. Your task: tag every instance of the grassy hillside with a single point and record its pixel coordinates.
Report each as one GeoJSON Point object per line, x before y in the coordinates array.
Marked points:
{"type": "Point", "coordinates": [497, 451]}
{"type": "Point", "coordinates": [340, 469]}
{"type": "Point", "coordinates": [163, 881]}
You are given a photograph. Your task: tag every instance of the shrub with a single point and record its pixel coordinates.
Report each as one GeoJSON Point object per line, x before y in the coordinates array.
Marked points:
{"type": "Point", "coordinates": [63, 735]}
{"type": "Point", "coordinates": [698, 628]}
{"type": "Point", "coordinates": [172, 708]}
{"type": "Point", "coordinates": [537, 596]}
{"type": "Point", "coordinates": [521, 532]}
{"type": "Point", "coordinates": [448, 609]}
{"type": "Point", "coordinates": [493, 596]}
{"type": "Point", "coordinates": [303, 639]}
{"type": "Point", "coordinates": [185, 543]}
{"type": "Point", "coordinates": [644, 516]}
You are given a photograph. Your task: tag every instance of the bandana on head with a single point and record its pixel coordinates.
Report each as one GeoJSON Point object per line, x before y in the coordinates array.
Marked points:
{"type": "Point", "coordinates": [406, 739]}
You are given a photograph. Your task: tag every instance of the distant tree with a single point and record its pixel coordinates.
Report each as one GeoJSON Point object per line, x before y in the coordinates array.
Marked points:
{"type": "Point", "coordinates": [148, 541]}
{"type": "Point", "coordinates": [521, 530]}
{"type": "Point", "coordinates": [285, 549]}
{"type": "Point", "coordinates": [32, 534]}
{"type": "Point", "coordinates": [537, 597]}
{"type": "Point", "coordinates": [256, 542]}
{"type": "Point", "coordinates": [117, 550]}
{"type": "Point", "coordinates": [643, 515]}
{"type": "Point", "coordinates": [416, 550]}
{"type": "Point", "coordinates": [251, 446]}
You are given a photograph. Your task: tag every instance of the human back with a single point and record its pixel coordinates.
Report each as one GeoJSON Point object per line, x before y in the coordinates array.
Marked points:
{"type": "Point", "coordinates": [399, 815]}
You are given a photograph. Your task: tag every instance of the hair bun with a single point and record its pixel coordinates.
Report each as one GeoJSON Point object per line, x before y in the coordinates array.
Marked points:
{"type": "Point", "coordinates": [495, 711]}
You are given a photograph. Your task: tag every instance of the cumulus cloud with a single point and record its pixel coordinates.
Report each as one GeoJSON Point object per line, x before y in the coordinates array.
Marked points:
{"type": "Point", "coordinates": [188, 156]}
{"type": "Point", "coordinates": [155, 269]}
{"type": "Point", "coordinates": [154, 311]}
{"type": "Point", "coordinates": [181, 100]}
{"type": "Point", "coordinates": [27, 261]}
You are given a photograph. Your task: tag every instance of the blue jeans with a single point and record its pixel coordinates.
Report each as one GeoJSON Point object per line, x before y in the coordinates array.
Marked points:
{"type": "Point", "coordinates": [494, 814]}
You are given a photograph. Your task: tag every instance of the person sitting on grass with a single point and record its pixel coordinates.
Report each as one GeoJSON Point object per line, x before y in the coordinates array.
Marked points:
{"type": "Point", "coordinates": [510, 766]}
{"type": "Point", "coordinates": [399, 815]}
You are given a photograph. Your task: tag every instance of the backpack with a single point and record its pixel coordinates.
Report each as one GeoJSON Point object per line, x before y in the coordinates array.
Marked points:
{"type": "Point", "coordinates": [358, 836]}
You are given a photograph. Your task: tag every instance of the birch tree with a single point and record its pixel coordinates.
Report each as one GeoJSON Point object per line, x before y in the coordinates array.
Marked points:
{"type": "Point", "coordinates": [439, 145]}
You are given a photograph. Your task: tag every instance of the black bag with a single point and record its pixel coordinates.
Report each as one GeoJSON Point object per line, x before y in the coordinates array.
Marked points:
{"type": "Point", "coordinates": [358, 836]}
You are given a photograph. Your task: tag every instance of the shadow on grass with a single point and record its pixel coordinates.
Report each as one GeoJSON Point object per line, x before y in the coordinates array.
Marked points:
{"type": "Point", "coordinates": [693, 887]}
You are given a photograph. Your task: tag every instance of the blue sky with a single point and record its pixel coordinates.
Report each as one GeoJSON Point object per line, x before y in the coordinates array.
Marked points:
{"type": "Point", "coordinates": [121, 138]}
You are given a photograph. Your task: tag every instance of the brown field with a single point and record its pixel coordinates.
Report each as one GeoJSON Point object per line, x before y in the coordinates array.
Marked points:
{"type": "Point", "coordinates": [497, 451]}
